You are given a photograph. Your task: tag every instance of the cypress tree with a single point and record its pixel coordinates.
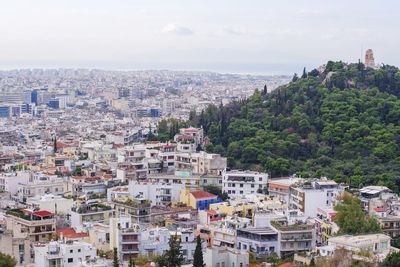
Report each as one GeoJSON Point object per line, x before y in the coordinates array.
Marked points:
{"type": "Point", "coordinates": [115, 255]}
{"type": "Point", "coordinates": [198, 254]}
{"type": "Point", "coordinates": [304, 73]}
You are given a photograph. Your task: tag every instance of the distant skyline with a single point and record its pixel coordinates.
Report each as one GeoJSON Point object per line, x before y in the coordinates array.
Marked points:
{"type": "Point", "coordinates": [255, 36]}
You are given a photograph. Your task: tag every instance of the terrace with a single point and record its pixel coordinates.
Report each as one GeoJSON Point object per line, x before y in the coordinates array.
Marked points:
{"type": "Point", "coordinates": [89, 208]}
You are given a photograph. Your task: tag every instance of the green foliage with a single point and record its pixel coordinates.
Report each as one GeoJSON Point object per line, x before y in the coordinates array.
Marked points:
{"type": "Point", "coordinates": [252, 257]}
{"type": "Point", "coordinates": [198, 254]}
{"type": "Point", "coordinates": [7, 260]}
{"type": "Point", "coordinates": [351, 218]}
{"type": "Point", "coordinates": [167, 128]}
{"type": "Point", "coordinates": [213, 189]}
{"type": "Point", "coordinates": [115, 258]}
{"type": "Point", "coordinates": [392, 260]}
{"type": "Point", "coordinates": [173, 256]}
{"type": "Point", "coordinates": [395, 242]}
{"type": "Point", "coordinates": [132, 262]}
{"type": "Point", "coordinates": [343, 123]}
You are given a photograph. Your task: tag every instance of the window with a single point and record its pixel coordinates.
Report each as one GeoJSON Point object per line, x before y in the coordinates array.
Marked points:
{"type": "Point", "coordinates": [241, 192]}
{"type": "Point", "coordinates": [79, 250]}
{"type": "Point", "coordinates": [252, 185]}
{"type": "Point", "coordinates": [241, 185]}
{"type": "Point", "coordinates": [71, 251]}
{"type": "Point", "coordinates": [186, 239]}
{"type": "Point", "coordinates": [70, 260]}
{"type": "Point", "coordinates": [260, 179]}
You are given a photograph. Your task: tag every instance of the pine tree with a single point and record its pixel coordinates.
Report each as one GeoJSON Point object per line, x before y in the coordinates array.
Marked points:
{"type": "Point", "coordinates": [115, 255]}
{"type": "Point", "coordinates": [198, 254]}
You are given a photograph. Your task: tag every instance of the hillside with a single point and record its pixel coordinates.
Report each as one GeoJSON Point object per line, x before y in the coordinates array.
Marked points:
{"type": "Point", "coordinates": [342, 123]}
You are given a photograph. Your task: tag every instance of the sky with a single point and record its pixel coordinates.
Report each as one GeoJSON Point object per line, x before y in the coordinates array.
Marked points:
{"type": "Point", "coordinates": [253, 36]}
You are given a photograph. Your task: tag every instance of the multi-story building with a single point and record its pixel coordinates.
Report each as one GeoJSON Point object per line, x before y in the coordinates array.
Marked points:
{"type": "Point", "coordinates": [158, 193]}
{"type": "Point", "coordinates": [56, 254]}
{"type": "Point", "coordinates": [200, 200]}
{"type": "Point", "coordinates": [324, 225]}
{"type": "Point", "coordinates": [88, 213]}
{"type": "Point", "coordinates": [262, 240]}
{"type": "Point", "coordinates": [378, 244]}
{"type": "Point", "coordinates": [293, 238]}
{"type": "Point", "coordinates": [40, 184]}
{"type": "Point", "coordinates": [280, 187]}
{"type": "Point", "coordinates": [38, 226]}
{"type": "Point", "coordinates": [9, 181]}
{"type": "Point", "coordinates": [239, 183]}
{"type": "Point", "coordinates": [125, 236]}
{"type": "Point", "coordinates": [154, 241]}
{"type": "Point", "coordinates": [224, 256]}
{"type": "Point", "coordinates": [201, 163]}
{"type": "Point", "coordinates": [185, 178]}
{"type": "Point", "coordinates": [308, 196]}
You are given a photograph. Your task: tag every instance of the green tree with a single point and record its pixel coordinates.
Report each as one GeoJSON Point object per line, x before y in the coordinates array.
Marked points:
{"type": "Point", "coordinates": [304, 75]}
{"type": "Point", "coordinates": [132, 262]}
{"type": "Point", "coordinates": [173, 256]}
{"type": "Point", "coordinates": [392, 260]}
{"type": "Point", "coordinates": [7, 260]}
{"type": "Point", "coordinates": [198, 254]}
{"type": "Point", "coordinates": [115, 258]}
{"type": "Point", "coordinates": [351, 218]}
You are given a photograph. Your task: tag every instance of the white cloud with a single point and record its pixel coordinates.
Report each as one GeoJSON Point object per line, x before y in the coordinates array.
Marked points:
{"type": "Point", "coordinates": [172, 28]}
{"type": "Point", "coordinates": [234, 31]}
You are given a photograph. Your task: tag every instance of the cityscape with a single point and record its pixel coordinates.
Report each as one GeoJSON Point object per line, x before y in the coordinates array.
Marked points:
{"type": "Point", "coordinates": [168, 163]}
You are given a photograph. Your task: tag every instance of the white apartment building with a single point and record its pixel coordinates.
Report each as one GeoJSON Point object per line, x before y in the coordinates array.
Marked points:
{"type": "Point", "coordinates": [41, 184]}
{"type": "Point", "coordinates": [55, 254]}
{"type": "Point", "coordinates": [201, 163]}
{"type": "Point", "coordinates": [224, 256]}
{"type": "Point", "coordinates": [239, 183]}
{"type": "Point", "coordinates": [159, 193]}
{"type": "Point", "coordinates": [308, 196]}
{"type": "Point", "coordinates": [9, 181]}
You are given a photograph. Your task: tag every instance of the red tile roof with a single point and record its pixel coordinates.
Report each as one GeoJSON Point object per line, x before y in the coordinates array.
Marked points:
{"type": "Point", "coordinates": [71, 233]}
{"type": "Point", "coordinates": [379, 209]}
{"type": "Point", "coordinates": [191, 130]}
{"type": "Point", "coordinates": [202, 195]}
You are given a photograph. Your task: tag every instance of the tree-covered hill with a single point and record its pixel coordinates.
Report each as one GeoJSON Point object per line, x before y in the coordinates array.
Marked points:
{"type": "Point", "coordinates": [343, 123]}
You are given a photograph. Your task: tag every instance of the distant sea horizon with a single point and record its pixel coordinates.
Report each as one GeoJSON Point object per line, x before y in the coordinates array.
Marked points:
{"type": "Point", "coordinates": [263, 69]}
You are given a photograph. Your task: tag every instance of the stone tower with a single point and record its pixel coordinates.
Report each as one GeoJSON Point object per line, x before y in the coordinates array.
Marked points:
{"type": "Point", "coordinates": [369, 59]}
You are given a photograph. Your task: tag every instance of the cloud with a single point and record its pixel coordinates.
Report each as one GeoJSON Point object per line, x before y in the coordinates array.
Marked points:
{"type": "Point", "coordinates": [234, 31]}
{"type": "Point", "coordinates": [177, 30]}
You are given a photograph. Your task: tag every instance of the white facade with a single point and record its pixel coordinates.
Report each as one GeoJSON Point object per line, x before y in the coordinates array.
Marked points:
{"type": "Point", "coordinates": [239, 183]}
{"type": "Point", "coordinates": [157, 192]}
{"type": "Point", "coordinates": [64, 254]}
{"type": "Point", "coordinates": [219, 257]}
{"type": "Point", "coordinates": [9, 181]}
{"type": "Point", "coordinates": [52, 203]}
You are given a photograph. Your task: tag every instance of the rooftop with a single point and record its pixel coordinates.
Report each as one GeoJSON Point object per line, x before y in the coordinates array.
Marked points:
{"type": "Point", "coordinates": [202, 195]}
